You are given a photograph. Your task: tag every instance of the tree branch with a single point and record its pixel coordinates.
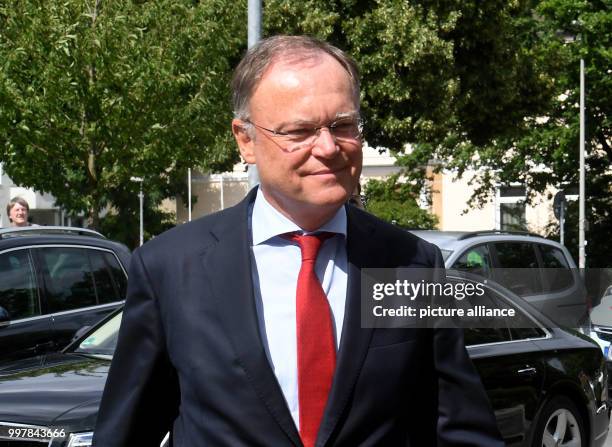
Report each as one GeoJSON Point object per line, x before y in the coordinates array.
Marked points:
{"type": "Point", "coordinates": [604, 144]}
{"type": "Point", "coordinates": [94, 13]}
{"type": "Point", "coordinates": [40, 148]}
{"type": "Point", "coordinates": [83, 121]}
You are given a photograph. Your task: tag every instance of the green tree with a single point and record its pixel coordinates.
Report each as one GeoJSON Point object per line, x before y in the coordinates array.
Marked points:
{"type": "Point", "coordinates": [94, 92]}
{"type": "Point", "coordinates": [542, 150]}
{"type": "Point", "coordinates": [444, 76]}
{"type": "Point", "coordinates": [396, 202]}
{"type": "Point", "coordinates": [487, 86]}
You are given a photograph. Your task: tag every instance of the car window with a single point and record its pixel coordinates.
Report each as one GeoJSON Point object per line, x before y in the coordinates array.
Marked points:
{"type": "Point", "coordinates": [107, 279]}
{"type": "Point", "coordinates": [552, 257]}
{"type": "Point", "coordinates": [68, 278]}
{"type": "Point", "coordinates": [104, 339]}
{"type": "Point", "coordinates": [516, 255]}
{"type": "Point", "coordinates": [119, 277]}
{"type": "Point", "coordinates": [479, 331]}
{"type": "Point", "coordinates": [524, 333]}
{"type": "Point", "coordinates": [518, 267]}
{"type": "Point", "coordinates": [521, 326]}
{"type": "Point", "coordinates": [445, 253]}
{"type": "Point", "coordinates": [475, 260]}
{"type": "Point", "coordinates": [483, 336]}
{"type": "Point", "coordinates": [18, 292]}
{"type": "Point", "coordinates": [557, 273]}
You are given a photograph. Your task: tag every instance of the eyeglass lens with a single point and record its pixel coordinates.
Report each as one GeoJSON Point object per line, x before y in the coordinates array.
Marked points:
{"type": "Point", "coordinates": [305, 138]}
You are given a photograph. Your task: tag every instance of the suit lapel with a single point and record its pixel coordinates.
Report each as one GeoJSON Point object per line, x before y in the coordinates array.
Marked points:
{"type": "Point", "coordinates": [355, 339]}
{"type": "Point", "coordinates": [227, 266]}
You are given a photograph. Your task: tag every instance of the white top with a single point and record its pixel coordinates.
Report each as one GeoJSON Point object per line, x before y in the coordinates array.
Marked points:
{"type": "Point", "coordinates": [275, 271]}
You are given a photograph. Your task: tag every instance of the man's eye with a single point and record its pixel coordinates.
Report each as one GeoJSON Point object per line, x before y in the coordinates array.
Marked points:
{"type": "Point", "coordinates": [300, 133]}
{"type": "Point", "coordinates": [344, 125]}
{"type": "Point", "coordinates": [345, 128]}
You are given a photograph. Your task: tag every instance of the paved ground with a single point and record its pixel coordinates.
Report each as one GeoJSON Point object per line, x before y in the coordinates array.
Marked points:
{"type": "Point", "coordinates": [609, 440]}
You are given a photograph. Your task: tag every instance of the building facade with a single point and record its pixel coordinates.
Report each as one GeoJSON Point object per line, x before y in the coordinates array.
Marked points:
{"type": "Point", "coordinates": [507, 209]}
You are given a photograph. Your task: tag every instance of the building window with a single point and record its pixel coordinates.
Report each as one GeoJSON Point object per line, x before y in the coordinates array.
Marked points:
{"type": "Point", "coordinates": [511, 208]}
{"type": "Point", "coordinates": [512, 216]}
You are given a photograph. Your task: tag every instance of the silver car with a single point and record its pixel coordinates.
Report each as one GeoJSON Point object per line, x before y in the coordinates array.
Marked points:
{"type": "Point", "coordinates": [537, 269]}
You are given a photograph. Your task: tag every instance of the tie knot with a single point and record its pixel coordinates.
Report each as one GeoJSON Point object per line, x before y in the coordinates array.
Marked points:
{"type": "Point", "coordinates": [309, 243]}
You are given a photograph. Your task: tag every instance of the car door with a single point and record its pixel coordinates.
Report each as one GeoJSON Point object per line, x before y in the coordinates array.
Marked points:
{"type": "Point", "coordinates": [82, 285]}
{"type": "Point", "coordinates": [562, 286]}
{"type": "Point", "coordinates": [24, 330]}
{"type": "Point", "coordinates": [510, 367]}
{"type": "Point", "coordinates": [517, 267]}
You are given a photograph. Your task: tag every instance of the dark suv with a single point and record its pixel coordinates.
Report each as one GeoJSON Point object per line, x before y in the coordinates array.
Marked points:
{"type": "Point", "coordinates": [53, 282]}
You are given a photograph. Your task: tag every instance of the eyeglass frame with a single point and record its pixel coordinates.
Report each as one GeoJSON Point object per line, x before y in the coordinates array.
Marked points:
{"type": "Point", "coordinates": [317, 131]}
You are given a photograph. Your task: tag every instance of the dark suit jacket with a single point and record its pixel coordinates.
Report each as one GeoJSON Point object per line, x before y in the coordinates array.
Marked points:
{"type": "Point", "coordinates": [190, 357]}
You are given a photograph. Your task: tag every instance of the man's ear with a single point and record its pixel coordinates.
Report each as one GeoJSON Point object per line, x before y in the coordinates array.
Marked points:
{"type": "Point", "coordinates": [244, 139]}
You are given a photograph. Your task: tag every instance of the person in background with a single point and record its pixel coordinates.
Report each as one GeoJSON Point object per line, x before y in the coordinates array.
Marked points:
{"type": "Point", "coordinates": [18, 210]}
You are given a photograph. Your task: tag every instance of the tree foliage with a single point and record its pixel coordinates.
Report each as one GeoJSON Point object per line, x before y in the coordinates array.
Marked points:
{"type": "Point", "coordinates": [484, 86]}
{"type": "Point", "coordinates": [396, 202]}
{"type": "Point", "coordinates": [446, 78]}
{"type": "Point", "coordinates": [94, 92]}
{"type": "Point", "coordinates": [438, 75]}
{"type": "Point", "coordinates": [542, 152]}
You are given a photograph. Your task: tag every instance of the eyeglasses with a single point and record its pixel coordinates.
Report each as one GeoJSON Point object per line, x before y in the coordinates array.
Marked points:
{"type": "Point", "coordinates": [344, 130]}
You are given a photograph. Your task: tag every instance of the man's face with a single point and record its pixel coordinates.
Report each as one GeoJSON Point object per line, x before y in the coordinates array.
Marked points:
{"type": "Point", "coordinates": [293, 95]}
{"type": "Point", "coordinates": [19, 215]}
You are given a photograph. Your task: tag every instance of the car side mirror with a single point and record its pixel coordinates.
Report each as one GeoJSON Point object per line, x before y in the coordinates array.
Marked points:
{"type": "Point", "coordinates": [5, 316]}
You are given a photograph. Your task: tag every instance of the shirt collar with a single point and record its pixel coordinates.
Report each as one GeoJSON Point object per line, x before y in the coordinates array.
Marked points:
{"type": "Point", "coordinates": [268, 222]}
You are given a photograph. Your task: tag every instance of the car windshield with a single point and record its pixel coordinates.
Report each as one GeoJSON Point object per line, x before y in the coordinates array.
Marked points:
{"type": "Point", "coordinates": [103, 340]}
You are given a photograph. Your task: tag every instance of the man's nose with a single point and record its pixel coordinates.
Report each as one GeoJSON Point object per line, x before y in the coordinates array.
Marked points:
{"type": "Point", "coordinates": [325, 145]}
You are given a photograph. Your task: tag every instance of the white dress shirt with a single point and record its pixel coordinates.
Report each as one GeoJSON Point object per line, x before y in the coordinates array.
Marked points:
{"type": "Point", "coordinates": [275, 271]}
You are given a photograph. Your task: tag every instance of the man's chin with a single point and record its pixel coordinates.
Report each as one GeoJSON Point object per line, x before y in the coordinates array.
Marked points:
{"type": "Point", "coordinates": [328, 198]}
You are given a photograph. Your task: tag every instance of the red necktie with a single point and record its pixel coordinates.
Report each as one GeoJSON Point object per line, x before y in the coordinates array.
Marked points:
{"type": "Point", "coordinates": [316, 348]}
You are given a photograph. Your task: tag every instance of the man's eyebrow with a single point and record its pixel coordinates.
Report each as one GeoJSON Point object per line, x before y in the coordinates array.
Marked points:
{"type": "Point", "coordinates": [343, 115]}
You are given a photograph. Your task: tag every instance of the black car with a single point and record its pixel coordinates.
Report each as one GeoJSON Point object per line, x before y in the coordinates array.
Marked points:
{"type": "Point", "coordinates": [53, 282]}
{"type": "Point", "coordinates": [548, 386]}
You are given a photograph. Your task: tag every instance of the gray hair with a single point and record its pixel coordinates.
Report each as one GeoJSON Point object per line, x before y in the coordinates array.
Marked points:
{"type": "Point", "coordinates": [14, 201]}
{"type": "Point", "coordinates": [258, 58]}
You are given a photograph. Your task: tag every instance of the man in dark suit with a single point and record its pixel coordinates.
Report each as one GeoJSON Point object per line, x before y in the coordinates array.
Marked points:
{"type": "Point", "coordinates": [243, 328]}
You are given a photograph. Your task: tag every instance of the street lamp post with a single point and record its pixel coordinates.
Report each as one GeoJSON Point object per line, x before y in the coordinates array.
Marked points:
{"type": "Point", "coordinates": [581, 213]}
{"type": "Point", "coordinates": [254, 35]}
{"type": "Point", "coordinates": [141, 198]}
{"type": "Point", "coordinates": [189, 194]}
{"type": "Point", "coordinates": [571, 38]}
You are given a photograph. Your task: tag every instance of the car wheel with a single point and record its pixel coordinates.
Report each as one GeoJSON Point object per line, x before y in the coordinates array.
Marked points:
{"type": "Point", "coordinates": [560, 425]}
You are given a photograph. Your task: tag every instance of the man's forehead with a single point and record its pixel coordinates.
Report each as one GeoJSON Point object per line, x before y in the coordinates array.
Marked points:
{"type": "Point", "coordinates": [291, 82]}
{"type": "Point", "coordinates": [298, 62]}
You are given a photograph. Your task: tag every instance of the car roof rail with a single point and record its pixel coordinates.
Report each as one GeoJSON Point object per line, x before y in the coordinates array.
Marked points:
{"type": "Point", "coordinates": [43, 230]}
{"type": "Point", "coordinates": [492, 232]}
